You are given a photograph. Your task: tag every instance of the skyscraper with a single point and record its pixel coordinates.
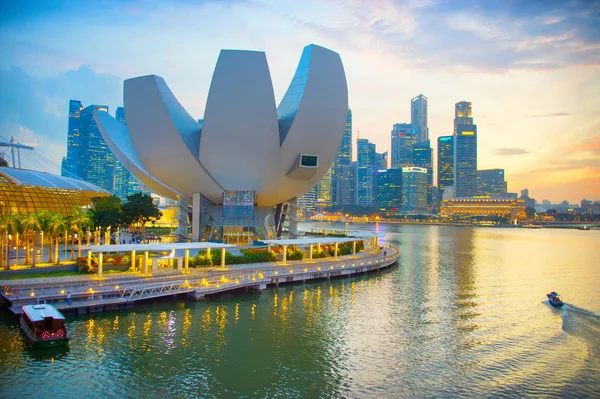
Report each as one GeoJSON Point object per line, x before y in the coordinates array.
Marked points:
{"type": "Point", "coordinates": [366, 170]}
{"type": "Point", "coordinates": [418, 117]}
{"type": "Point", "coordinates": [125, 183]}
{"type": "Point", "coordinates": [97, 162]}
{"type": "Point", "coordinates": [403, 139]}
{"type": "Point", "coordinates": [323, 188]}
{"type": "Point", "coordinates": [381, 160]}
{"type": "Point", "coordinates": [389, 190]}
{"type": "Point", "coordinates": [491, 182]}
{"type": "Point", "coordinates": [343, 157]}
{"type": "Point", "coordinates": [414, 190]}
{"type": "Point", "coordinates": [422, 157]}
{"type": "Point", "coordinates": [347, 184]}
{"type": "Point", "coordinates": [465, 151]}
{"type": "Point", "coordinates": [70, 164]}
{"type": "Point", "coordinates": [307, 203]}
{"type": "Point", "coordinates": [445, 163]}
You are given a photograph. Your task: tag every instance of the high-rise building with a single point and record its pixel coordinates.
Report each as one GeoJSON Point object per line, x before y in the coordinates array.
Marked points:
{"type": "Point", "coordinates": [422, 157]}
{"type": "Point", "coordinates": [414, 190]}
{"type": "Point", "coordinates": [307, 203]}
{"type": "Point", "coordinates": [70, 164]}
{"type": "Point", "coordinates": [491, 182]}
{"type": "Point", "coordinates": [418, 117]}
{"type": "Point", "coordinates": [347, 184]}
{"type": "Point", "coordinates": [343, 157]}
{"type": "Point", "coordinates": [389, 190]}
{"type": "Point", "coordinates": [465, 151]}
{"type": "Point", "coordinates": [445, 163]}
{"type": "Point", "coordinates": [97, 162]}
{"type": "Point", "coordinates": [366, 171]}
{"type": "Point", "coordinates": [323, 189]}
{"type": "Point", "coordinates": [381, 160]}
{"type": "Point", "coordinates": [403, 139]}
{"type": "Point", "coordinates": [125, 183]}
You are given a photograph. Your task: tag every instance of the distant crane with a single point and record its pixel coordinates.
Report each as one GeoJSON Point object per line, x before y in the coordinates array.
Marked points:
{"type": "Point", "coordinates": [16, 155]}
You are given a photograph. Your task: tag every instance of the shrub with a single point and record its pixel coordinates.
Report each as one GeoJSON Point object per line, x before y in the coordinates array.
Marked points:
{"type": "Point", "coordinates": [318, 254]}
{"type": "Point", "coordinates": [82, 265]}
{"type": "Point", "coordinates": [295, 254]}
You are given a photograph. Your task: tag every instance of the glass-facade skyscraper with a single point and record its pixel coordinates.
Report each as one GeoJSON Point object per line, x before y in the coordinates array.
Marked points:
{"type": "Point", "coordinates": [418, 117]}
{"type": "Point", "coordinates": [343, 157]}
{"type": "Point", "coordinates": [125, 183]}
{"type": "Point", "coordinates": [389, 190]}
{"type": "Point", "coordinates": [445, 163]}
{"type": "Point", "coordinates": [465, 151]}
{"type": "Point", "coordinates": [414, 190]}
{"type": "Point", "coordinates": [96, 160]}
{"type": "Point", "coordinates": [422, 155]}
{"type": "Point", "coordinates": [403, 139]}
{"type": "Point", "coordinates": [347, 184]}
{"type": "Point", "coordinates": [323, 188]}
{"type": "Point", "coordinates": [70, 164]}
{"type": "Point", "coordinates": [366, 171]}
{"type": "Point", "coordinates": [491, 182]}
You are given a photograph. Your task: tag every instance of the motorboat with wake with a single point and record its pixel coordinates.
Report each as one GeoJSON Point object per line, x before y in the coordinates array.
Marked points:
{"type": "Point", "coordinates": [555, 300]}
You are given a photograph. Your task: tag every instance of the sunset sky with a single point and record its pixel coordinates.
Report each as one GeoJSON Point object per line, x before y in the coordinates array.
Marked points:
{"type": "Point", "coordinates": [530, 68]}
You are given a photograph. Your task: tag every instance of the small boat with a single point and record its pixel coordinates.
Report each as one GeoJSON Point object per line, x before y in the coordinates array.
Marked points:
{"type": "Point", "coordinates": [555, 300]}
{"type": "Point", "coordinates": [44, 325]}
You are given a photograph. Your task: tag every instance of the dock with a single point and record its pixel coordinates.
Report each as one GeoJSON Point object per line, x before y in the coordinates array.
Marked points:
{"type": "Point", "coordinates": [91, 294]}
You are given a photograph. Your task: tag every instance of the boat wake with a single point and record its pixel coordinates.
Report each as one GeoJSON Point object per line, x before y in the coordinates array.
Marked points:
{"type": "Point", "coordinates": [583, 324]}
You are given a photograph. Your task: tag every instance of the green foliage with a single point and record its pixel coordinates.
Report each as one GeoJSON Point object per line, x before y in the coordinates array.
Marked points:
{"type": "Point", "coordinates": [83, 267]}
{"type": "Point", "coordinates": [139, 209]}
{"type": "Point", "coordinates": [3, 162]}
{"type": "Point", "coordinates": [345, 250]}
{"type": "Point", "coordinates": [107, 211]}
{"type": "Point", "coordinates": [294, 254]}
{"type": "Point", "coordinates": [317, 254]}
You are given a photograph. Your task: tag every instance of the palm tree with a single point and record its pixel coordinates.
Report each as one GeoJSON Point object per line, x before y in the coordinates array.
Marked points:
{"type": "Point", "coordinates": [56, 225]}
{"type": "Point", "coordinates": [80, 220]}
{"type": "Point", "coordinates": [44, 218]}
{"type": "Point", "coordinates": [9, 224]}
{"type": "Point", "coordinates": [30, 223]}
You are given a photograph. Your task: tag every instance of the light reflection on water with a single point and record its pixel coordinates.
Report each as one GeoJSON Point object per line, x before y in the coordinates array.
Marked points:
{"type": "Point", "coordinates": [462, 316]}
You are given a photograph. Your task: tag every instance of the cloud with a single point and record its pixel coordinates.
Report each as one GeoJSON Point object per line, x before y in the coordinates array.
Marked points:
{"type": "Point", "coordinates": [548, 115]}
{"type": "Point", "coordinates": [510, 151]}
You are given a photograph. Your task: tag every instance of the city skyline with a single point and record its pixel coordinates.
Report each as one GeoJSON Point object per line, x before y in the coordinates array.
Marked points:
{"type": "Point", "coordinates": [533, 79]}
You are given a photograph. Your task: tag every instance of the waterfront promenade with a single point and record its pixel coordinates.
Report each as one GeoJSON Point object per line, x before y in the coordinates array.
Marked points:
{"type": "Point", "coordinates": [113, 292]}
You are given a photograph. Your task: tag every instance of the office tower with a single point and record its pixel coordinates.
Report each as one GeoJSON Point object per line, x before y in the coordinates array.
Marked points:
{"type": "Point", "coordinates": [389, 190]}
{"type": "Point", "coordinates": [366, 170]}
{"type": "Point", "coordinates": [307, 203]}
{"type": "Point", "coordinates": [125, 183]}
{"type": "Point", "coordinates": [418, 117]}
{"type": "Point", "coordinates": [343, 157]}
{"type": "Point", "coordinates": [381, 160]}
{"type": "Point", "coordinates": [403, 139]}
{"type": "Point", "coordinates": [445, 163]}
{"type": "Point", "coordinates": [96, 161]}
{"type": "Point", "coordinates": [323, 188]}
{"type": "Point", "coordinates": [491, 182]}
{"type": "Point", "coordinates": [465, 151]}
{"type": "Point", "coordinates": [414, 190]}
{"type": "Point", "coordinates": [70, 164]}
{"type": "Point", "coordinates": [422, 157]}
{"type": "Point", "coordinates": [347, 184]}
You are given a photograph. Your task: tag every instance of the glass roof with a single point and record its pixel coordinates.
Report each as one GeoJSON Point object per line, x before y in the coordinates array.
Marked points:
{"type": "Point", "coordinates": [41, 179]}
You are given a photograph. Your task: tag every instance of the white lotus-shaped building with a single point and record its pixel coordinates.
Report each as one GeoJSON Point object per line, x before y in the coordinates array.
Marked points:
{"type": "Point", "coordinates": [246, 149]}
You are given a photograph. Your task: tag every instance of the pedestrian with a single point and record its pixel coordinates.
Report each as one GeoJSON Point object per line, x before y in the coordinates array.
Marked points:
{"type": "Point", "coordinates": [68, 298]}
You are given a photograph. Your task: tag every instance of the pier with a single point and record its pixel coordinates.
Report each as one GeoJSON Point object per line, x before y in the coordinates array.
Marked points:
{"type": "Point", "coordinates": [96, 294]}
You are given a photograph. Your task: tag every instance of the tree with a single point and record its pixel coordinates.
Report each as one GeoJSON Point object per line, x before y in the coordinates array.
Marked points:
{"type": "Point", "coordinates": [3, 162]}
{"type": "Point", "coordinates": [107, 212]}
{"type": "Point", "coordinates": [140, 209]}
{"type": "Point", "coordinates": [9, 224]}
{"type": "Point", "coordinates": [530, 213]}
{"type": "Point", "coordinates": [43, 220]}
{"type": "Point", "coordinates": [31, 224]}
{"type": "Point", "coordinates": [80, 220]}
{"type": "Point", "coordinates": [55, 224]}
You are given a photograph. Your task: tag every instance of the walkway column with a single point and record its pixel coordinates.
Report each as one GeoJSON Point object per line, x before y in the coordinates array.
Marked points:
{"type": "Point", "coordinates": [223, 253]}
{"type": "Point", "coordinates": [354, 249]}
{"type": "Point", "coordinates": [195, 217]}
{"type": "Point", "coordinates": [145, 263]}
{"type": "Point", "coordinates": [318, 247]}
{"type": "Point", "coordinates": [269, 248]}
{"type": "Point", "coordinates": [117, 237]}
{"type": "Point", "coordinates": [336, 251]}
{"type": "Point", "coordinates": [186, 261]}
{"type": "Point", "coordinates": [208, 252]}
{"type": "Point", "coordinates": [284, 254]}
{"type": "Point", "coordinates": [89, 258]}
{"type": "Point", "coordinates": [100, 255]}
{"type": "Point", "coordinates": [133, 259]}
{"type": "Point", "coordinates": [310, 253]}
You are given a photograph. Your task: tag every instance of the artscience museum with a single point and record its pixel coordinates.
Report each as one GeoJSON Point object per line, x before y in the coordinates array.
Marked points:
{"type": "Point", "coordinates": [244, 164]}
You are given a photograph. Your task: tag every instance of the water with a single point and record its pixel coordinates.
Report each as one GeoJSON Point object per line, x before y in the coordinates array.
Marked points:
{"type": "Point", "coordinates": [464, 315]}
